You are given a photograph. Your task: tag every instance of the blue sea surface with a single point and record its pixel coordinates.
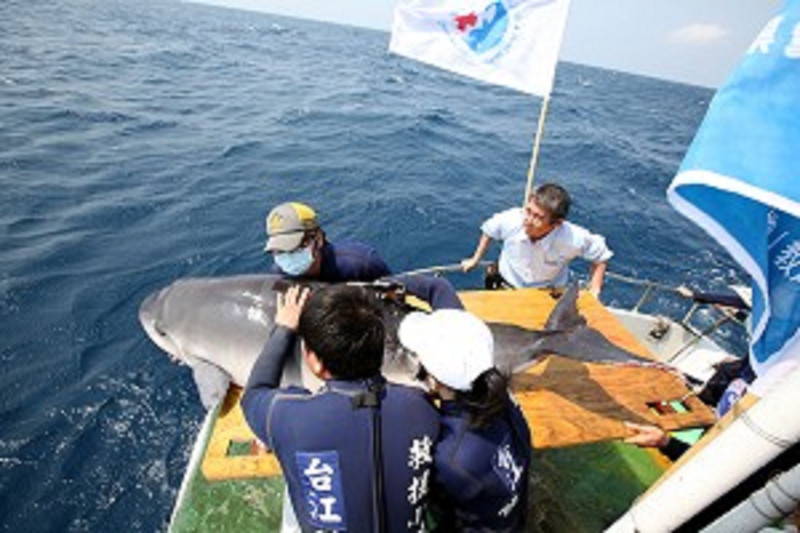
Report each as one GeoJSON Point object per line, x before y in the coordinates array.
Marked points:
{"type": "Point", "coordinates": [141, 142]}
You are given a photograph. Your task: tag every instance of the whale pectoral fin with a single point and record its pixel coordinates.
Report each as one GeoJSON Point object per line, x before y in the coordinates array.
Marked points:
{"type": "Point", "coordinates": [212, 382]}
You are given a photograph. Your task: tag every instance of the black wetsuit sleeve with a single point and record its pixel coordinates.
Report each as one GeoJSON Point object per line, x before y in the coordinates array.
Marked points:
{"type": "Point", "coordinates": [267, 370]}
{"type": "Point", "coordinates": [438, 292]}
{"type": "Point", "coordinates": [262, 386]}
{"type": "Point", "coordinates": [377, 266]}
{"type": "Point", "coordinates": [674, 449]}
{"type": "Point", "coordinates": [714, 298]}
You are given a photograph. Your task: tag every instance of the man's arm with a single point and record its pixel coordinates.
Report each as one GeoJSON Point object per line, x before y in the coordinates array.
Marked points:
{"type": "Point", "coordinates": [649, 436]}
{"type": "Point", "coordinates": [438, 292]}
{"type": "Point", "coordinates": [597, 273]}
{"type": "Point", "coordinates": [377, 267]}
{"type": "Point", "coordinates": [262, 385]}
{"type": "Point", "coordinates": [471, 262]}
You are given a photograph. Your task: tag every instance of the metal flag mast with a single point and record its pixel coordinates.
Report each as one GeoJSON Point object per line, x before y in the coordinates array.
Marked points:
{"type": "Point", "coordinates": [537, 140]}
{"type": "Point", "coordinates": [514, 43]}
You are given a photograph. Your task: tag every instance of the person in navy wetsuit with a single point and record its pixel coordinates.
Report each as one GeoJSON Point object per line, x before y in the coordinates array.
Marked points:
{"type": "Point", "coordinates": [301, 250]}
{"type": "Point", "coordinates": [357, 454]}
{"type": "Point", "coordinates": [483, 455]}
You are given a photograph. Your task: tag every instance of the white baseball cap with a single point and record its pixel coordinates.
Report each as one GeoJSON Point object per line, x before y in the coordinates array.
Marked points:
{"type": "Point", "coordinates": [454, 346]}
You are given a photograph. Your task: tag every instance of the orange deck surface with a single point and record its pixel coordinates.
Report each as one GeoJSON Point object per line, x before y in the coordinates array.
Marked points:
{"type": "Point", "coordinates": [565, 402]}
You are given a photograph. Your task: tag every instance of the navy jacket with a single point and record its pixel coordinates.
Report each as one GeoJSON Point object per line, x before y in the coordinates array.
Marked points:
{"type": "Point", "coordinates": [324, 442]}
{"type": "Point", "coordinates": [353, 261]}
{"type": "Point", "coordinates": [483, 473]}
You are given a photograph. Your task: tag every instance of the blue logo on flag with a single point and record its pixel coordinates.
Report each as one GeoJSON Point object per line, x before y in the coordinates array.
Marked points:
{"type": "Point", "coordinates": [483, 31]}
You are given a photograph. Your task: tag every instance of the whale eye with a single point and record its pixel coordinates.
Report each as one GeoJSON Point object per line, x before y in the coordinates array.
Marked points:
{"type": "Point", "coordinates": [157, 327]}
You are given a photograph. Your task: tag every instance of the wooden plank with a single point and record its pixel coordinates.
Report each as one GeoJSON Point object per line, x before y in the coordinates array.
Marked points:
{"type": "Point", "coordinates": [567, 402]}
{"type": "Point", "coordinates": [744, 404]}
{"type": "Point", "coordinates": [231, 433]}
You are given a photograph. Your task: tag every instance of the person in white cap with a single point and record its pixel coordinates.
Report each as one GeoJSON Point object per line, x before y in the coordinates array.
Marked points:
{"type": "Point", "coordinates": [483, 455]}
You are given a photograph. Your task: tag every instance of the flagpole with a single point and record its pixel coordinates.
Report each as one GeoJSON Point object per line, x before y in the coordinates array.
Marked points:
{"type": "Point", "coordinates": [525, 59]}
{"type": "Point", "coordinates": [535, 152]}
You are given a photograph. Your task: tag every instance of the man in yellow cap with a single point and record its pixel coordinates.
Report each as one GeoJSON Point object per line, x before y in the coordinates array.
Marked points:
{"type": "Point", "coordinates": [300, 249]}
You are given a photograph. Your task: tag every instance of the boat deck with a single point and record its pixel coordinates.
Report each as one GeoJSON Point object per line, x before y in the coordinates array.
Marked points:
{"type": "Point", "coordinates": [567, 404]}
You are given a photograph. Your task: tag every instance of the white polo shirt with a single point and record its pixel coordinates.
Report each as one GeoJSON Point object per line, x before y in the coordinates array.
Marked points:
{"type": "Point", "coordinates": [541, 263]}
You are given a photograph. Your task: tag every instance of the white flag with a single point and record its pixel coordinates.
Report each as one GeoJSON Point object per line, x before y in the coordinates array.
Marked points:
{"type": "Point", "coordinates": [513, 43]}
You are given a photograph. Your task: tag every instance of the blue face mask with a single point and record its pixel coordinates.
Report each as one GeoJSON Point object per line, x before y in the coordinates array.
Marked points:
{"type": "Point", "coordinates": [295, 263]}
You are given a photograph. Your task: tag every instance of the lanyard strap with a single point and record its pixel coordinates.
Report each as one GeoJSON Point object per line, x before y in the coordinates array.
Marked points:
{"type": "Point", "coordinates": [371, 399]}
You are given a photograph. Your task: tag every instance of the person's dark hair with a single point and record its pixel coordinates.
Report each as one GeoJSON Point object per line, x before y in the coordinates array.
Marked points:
{"type": "Point", "coordinates": [554, 198]}
{"type": "Point", "coordinates": [342, 325]}
{"type": "Point", "coordinates": [487, 398]}
{"type": "Point", "coordinates": [312, 234]}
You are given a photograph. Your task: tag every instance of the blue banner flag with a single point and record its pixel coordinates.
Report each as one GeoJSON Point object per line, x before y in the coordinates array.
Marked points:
{"type": "Point", "coordinates": [740, 182]}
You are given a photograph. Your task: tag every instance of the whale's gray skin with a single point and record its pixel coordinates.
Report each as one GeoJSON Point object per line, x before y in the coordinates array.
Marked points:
{"type": "Point", "coordinates": [218, 327]}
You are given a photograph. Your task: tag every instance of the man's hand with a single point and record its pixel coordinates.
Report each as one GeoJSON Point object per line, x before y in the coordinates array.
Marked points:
{"type": "Point", "coordinates": [685, 291]}
{"type": "Point", "coordinates": [469, 263]}
{"type": "Point", "coordinates": [646, 436]}
{"type": "Point", "coordinates": [290, 305]}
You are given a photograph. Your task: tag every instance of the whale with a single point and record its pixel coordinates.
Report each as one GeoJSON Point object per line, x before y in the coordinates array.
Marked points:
{"type": "Point", "coordinates": [218, 326]}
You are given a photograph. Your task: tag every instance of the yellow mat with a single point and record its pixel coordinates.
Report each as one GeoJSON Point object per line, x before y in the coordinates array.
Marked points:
{"type": "Point", "coordinates": [233, 451]}
{"type": "Point", "coordinates": [565, 402]}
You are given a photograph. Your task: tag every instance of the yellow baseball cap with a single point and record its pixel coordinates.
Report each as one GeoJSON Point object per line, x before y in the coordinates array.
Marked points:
{"type": "Point", "coordinates": [287, 224]}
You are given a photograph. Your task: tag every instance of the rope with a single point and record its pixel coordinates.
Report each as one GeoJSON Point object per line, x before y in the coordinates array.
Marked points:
{"type": "Point", "coordinates": [456, 267]}
{"type": "Point", "coordinates": [440, 269]}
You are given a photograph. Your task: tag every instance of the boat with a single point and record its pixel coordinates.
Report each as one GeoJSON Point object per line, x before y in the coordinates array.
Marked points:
{"type": "Point", "coordinates": [584, 478]}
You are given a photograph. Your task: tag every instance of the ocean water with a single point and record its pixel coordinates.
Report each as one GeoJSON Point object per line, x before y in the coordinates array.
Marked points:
{"type": "Point", "coordinates": [141, 142]}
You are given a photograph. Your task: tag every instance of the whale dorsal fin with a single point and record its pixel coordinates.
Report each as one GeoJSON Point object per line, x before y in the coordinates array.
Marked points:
{"type": "Point", "coordinates": [564, 315]}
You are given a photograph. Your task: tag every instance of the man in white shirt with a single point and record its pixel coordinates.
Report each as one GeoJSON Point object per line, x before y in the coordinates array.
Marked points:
{"type": "Point", "coordinates": [539, 243]}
